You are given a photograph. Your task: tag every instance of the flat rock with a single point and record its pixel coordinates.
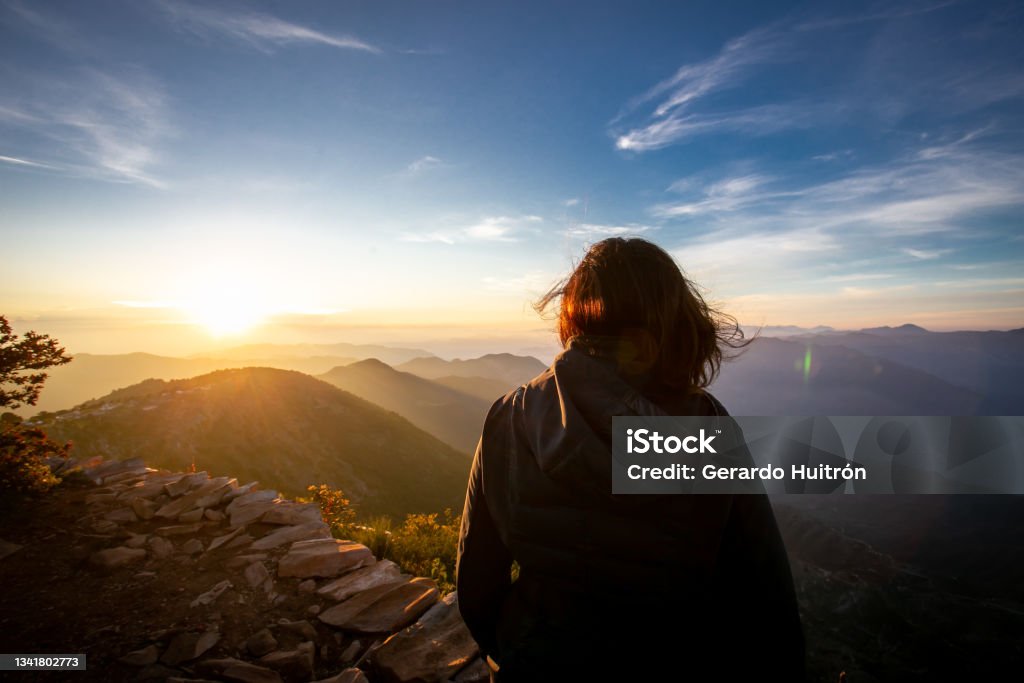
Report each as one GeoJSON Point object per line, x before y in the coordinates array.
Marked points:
{"type": "Point", "coordinates": [287, 512]}
{"type": "Point", "coordinates": [145, 656]}
{"type": "Point", "coordinates": [209, 493]}
{"type": "Point", "coordinates": [325, 557]}
{"type": "Point", "coordinates": [384, 571]}
{"type": "Point", "coordinates": [112, 558]}
{"type": "Point", "coordinates": [143, 508]}
{"type": "Point", "coordinates": [161, 547]}
{"type": "Point", "coordinates": [245, 560]}
{"type": "Point", "coordinates": [221, 540]}
{"type": "Point", "coordinates": [101, 499]}
{"type": "Point", "coordinates": [192, 546]}
{"type": "Point", "coordinates": [250, 506]}
{"type": "Point", "coordinates": [191, 516]}
{"type": "Point", "coordinates": [136, 541]}
{"type": "Point", "coordinates": [435, 648]}
{"type": "Point", "coordinates": [293, 665]}
{"type": "Point", "coordinates": [231, 669]}
{"type": "Point", "coordinates": [121, 515]}
{"type": "Point", "coordinates": [384, 609]}
{"type": "Point", "coordinates": [261, 642]}
{"type": "Point", "coordinates": [185, 484]}
{"type": "Point", "coordinates": [213, 515]}
{"type": "Point", "coordinates": [240, 491]}
{"type": "Point", "coordinates": [289, 534]}
{"type": "Point", "coordinates": [212, 594]}
{"type": "Point", "coordinates": [256, 574]}
{"type": "Point", "coordinates": [307, 586]}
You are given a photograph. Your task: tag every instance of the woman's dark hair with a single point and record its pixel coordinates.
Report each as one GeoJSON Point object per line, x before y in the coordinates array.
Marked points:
{"type": "Point", "coordinates": [629, 299]}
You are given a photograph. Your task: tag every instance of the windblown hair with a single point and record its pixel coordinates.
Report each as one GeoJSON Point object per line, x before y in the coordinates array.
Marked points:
{"type": "Point", "coordinates": [629, 299]}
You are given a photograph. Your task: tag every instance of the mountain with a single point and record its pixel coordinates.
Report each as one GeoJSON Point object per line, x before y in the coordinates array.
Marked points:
{"type": "Point", "coordinates": [90, 375]}
{"type": "Point", "coordinates": [506, 367]}
{"type": "Point", "coordinates": [389, 354]}
{"type": "Point", "coordinates": [286, 429]}
{"type": "Point", "coordinates": [768, 378]}
{"type": "Point", "coordinates": [483, 388]}
{"type": "Point", "coordinates": [452, 416]}
{"type": "Point", "coordinates": [989, 363]}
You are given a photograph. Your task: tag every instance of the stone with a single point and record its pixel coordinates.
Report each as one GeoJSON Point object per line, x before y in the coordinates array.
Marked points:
{"type": "Point", "coordinates": [301, 628]}
{"type": "Point", "coordinates": [136, 541]}
{"type": "Point", "coordinates": [186, 484]}
{"type": "Point", "coordinates": [213, 515]}
{"type": "Point", "coordinates": [150, 488]}
{"type": "Point", "coordinates": [384, 609]}
{"type": "Point", "coordinates": [185, 647]}
{"type": "Point", "coordinates": [351, 651]}
{"type": "Point", "coordinates": [191, 515]}
{"type": "Point", "coordinates": [352, 675]}
{"type": "Point", "coordinates": [250, 506]}
{"type": "Point", "coordinates": [143, 657]}
{"type": "Point", "coordinates": [145, 575]}
{"type": "Point", "coordinates": [325, 557]}
{"type": "Point", "coordinates": [239, 492]}
{"type": "Point", "coordinates": [231, 669]}
{"type": "Point", "coordinates": [313, 610]}
{"type": "Point", "coordinates": [161, 547]}
{"type": "Point", "coordinates": [307, 586]}
{"type": "Point", "coordinates": [292, 514]}
{"type": "Point", "coordinates": [434, 648]}
{"type": "Point", "coordinates": [100, 498]}
{"type": "Point", "coordinates": [256, 574]}
{"type": "Point", "coordinates": [179, 529]}
{"type": "Point", "coordinates": [360, 580]}
{"type": "Point", "coordinates": [111, 558]}
{"type": "Point", "coordinates": [261, 642]}
{"type": "Point", "coordinates": [221, 540]}
{"type": "Point", "coordinates": [293, 665]}
{"type": "Point", "coordinates": [8, 548]}
{"type": "Point", "coordinates": [105, 526]}
{"type": "Point", "coordinates": [121, 515]}
{"type": "Point", "coordinates": [245, 560]}
{"type": "Point", "coordinates": [209, 596]}
{"type": "Point", "coordinates": [192, 546]}
{"type": "Point", "coordinates": [289, 534]}
{"type": "Point", "coordinates": [240, 541]}
{"type": "Point", "coordinates": [143, 508]}
{"type": "Point", "coordinates": [476, 672]}
{"type": "Point", "coordinates": [206, 495]}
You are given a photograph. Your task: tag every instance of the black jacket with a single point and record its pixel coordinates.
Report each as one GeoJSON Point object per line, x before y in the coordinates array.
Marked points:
{"type": "Point", "coordinates": [653, 587]}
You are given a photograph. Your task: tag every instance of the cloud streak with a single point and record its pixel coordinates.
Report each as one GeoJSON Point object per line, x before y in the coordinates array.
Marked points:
{"type": "Point", "coordinates": [487, 229]}
{"type": "Point", "coordinates": [262, 31]}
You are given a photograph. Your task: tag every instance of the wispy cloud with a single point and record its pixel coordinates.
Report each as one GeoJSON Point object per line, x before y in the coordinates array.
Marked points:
{"type": "Point", "coordinates": [487, 229]}
{"type": "Point", "coordinates": [262, 31]}
{"type": "Point", "coordinates": [91, 122]}
{"type": "Point", "coordinates": [589, 231]}
{"type": "Point", "coordinates": [423, 164]}
{"type": "Point", "coordinates": [15, 161]}
{"type": "Point", "coordinates": [926, 254]}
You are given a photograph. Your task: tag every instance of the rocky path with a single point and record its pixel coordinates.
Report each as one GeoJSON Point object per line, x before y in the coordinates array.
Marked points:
{"type": "Point", "coordinates": [165, 576]}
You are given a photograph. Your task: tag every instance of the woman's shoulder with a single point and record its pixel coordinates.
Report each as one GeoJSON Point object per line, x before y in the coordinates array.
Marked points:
{"type": "Point", "coordinates": [696, 401]}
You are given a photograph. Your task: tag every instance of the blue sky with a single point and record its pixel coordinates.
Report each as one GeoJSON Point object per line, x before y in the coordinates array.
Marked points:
{"type": "Point", "coordinates": [424, 169]}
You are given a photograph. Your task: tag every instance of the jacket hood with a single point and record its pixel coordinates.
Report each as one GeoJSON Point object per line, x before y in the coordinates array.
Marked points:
{"type": "Point", "coordinates": [567, 416]}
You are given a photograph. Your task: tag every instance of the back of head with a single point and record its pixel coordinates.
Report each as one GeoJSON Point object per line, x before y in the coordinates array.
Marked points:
{"type": "Point", "coordinates": [629, 300]}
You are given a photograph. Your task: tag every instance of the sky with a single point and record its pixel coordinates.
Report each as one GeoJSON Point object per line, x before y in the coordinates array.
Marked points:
{"type": "Point", "coordinates": [177, 176]}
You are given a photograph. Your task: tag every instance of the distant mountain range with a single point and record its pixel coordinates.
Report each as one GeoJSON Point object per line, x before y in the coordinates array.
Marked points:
{"type": "Point", "coordinates": [451, 415]}
{"type": "Point", "coordinates": [819, 376]}
{"type": "Point", "coordinates": [499, 366]}
{"type": "Point", "coordinates": [283, 428]}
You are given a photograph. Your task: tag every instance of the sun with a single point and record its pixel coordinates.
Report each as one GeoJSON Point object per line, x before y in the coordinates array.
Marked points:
{"type": "Point", "coordinates": [226, 311]}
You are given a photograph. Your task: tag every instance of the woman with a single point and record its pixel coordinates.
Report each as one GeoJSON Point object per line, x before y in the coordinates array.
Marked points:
{"type": "Point", "coordinates": [643, 587]}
